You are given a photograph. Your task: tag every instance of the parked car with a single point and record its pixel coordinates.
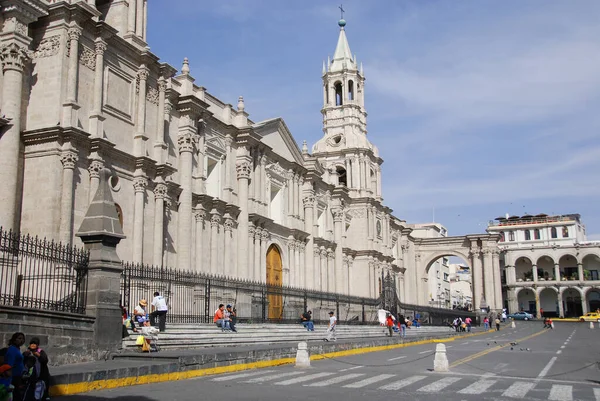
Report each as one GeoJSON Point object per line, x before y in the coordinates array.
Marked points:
{"type": "Point", "coordinates": [520, 316]}
{"type": "Point", "coordinates": [590, 317]}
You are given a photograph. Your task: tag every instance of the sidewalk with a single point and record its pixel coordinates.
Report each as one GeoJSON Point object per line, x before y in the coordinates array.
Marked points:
{"type": "Point", "coordinates": [131, 368]}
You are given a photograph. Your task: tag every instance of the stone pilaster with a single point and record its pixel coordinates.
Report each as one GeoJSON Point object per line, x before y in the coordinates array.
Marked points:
{"type": "Point", "coordinates": [323, 269]}
{"type": "Point", "coordinates": [316, 268]}
{"type": "Point", "coordinates": [71, 106]}
{"type": "Point", "coordinates": [252, 269]}
{"type": "Point", "coordinates": [229, 265]}
{"type": "Point", "coordinates": [140, 137]}
{"type": "Point", "coordinates": [309, 204]}
{"type": "Point", "coordinates": [477, 276]}
{"type": "Point", "coordinates": [139, 19]}
{"type": "Point", "coordinates": [228, 188]}
{"type": "Point", "coordinates": [243, 168]}
{"type": "Point", "coordinates": [160, 194]}
{"type": "Point", "coordinates": [96, 118]}
{"type": "Point", "coordinates": [488, 277]}
{"type": "Point", "coordinates": [200, 215]}
{"type": "Point", "coordinates": [139, 186]}
{"type": "Point", "coordinates": [159, 141]}
{"type": "Point", "coordinates": [69, 161]}
{"type": "Point", "coordinates": [331, 278]}
{"type": "Point", "coordinates": [257, 258]}
{"type": "Point", "coordinates": [185, 141]}
{"type": "Point", "coordinates": [338, 216]}
{"type": "Point", "coordinates": [497, 278]}
{"type": "Point", "coordinates": [264, 240]}
{"type": "Point", "coordinates": [215, 221]}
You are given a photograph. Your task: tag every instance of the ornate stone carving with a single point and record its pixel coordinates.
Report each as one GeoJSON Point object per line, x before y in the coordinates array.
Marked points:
{"type": "Point", "coordinates": [87, 58]}
{"type": "Point", "coordinates": [309, 200]}
{"type": "Point", "coordinates": [160, 191]}
{"type": "Point", "coordinates": [162, 85]}
{"type": "Point", "coordinates": [200, 215]}
{"type": "Point", "coordinates": [330, 254]}
{"type": "Point", "coordinates": [185, 142]}
{"type": "Point", "coordinates": [215, 220]}
{"type": "Point", "coordinates": [95, 168]}
{"type": "Point", "coordinates": [357, 213]}
{"type": "Point", "coordinates": [316, 252]}
{"type": "Point", "coordinates": [14, 56]}
{"type": "Point", "coordinates": [251, 232]}
{"type": "Point", "coordinates": [243, 169]}
{"type": "Point", "coordinates": [12, 24]}
{"type": "Point", "coordinates": [100, 48]}
{"type": "Point", "coordinates": [265, 235]}
{"type": "Point", "coordinates": [47, 47]}
{"type": "Point", "coordinates": [338, 215]}
{"type": "Point", "coordinates": [152, 95]}
{"type": "Point", "coordinates": [68, 160]}
{"type": "Point", "coordinates": [168, 108]}
{"type": "Point", "coordinates": [74, 33]}
{"type": "Point", "coordinates": [229, 224]}
{"type": "Point", "coordinates": [140, 184]}
{"type": "Point", "coordinates": [275, 168]}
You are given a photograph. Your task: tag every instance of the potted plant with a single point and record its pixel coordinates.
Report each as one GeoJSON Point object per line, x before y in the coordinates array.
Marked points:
{"type": "Point", "coordinates": [528, 276]}
{"type": "Point", "coordinates": [587, 275]}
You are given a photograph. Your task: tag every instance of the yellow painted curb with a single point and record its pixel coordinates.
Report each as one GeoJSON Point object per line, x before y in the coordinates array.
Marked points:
{"type": "Point", "coordinates": [84, 387]}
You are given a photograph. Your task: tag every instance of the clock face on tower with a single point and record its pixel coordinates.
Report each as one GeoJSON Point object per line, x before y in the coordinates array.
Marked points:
{"type": "Point", "coordinates": [378, 227]}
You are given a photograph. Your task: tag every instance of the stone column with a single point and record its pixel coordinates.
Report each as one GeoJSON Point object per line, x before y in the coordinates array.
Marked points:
{"type": "Point", "coordinates": [296, 195]}
{"type": "Point", "coordinates": [229, 266]}
{"type": "Point", "coordinates": [535, 274]}
{"type": "Point", "coordinates": [476, 277]}
{"type": "Point", "coordinates": [101, 232]}
{"type": "Point", "coordinates": [511, 275]}
{"type": "Point", "coordinates": [215, 220]}
{"type": "Point", "coordinates": [331, 285]}
{"type": "Point", "coordinates": [488, 278]}
{"type": "Point", "coordinates": [536, 293]}
{"type": "Point", "coordinates": [316, 268]}
{"type": "Point", "coordinates": [228, 188]}
{"type": "Point", "coordinates": [561, 309]}
{"type": "Point", "coordinates": [131, 17]}
{"type": "Point", "coordinates": [262, 177]}
{"type": "Point", "coordinates": [13, 58]}
{"type": "Point", "coordinates": [139, 186]}
{"type": "Point", "coordinates": [355, 172]}
{"type": "Point", "coordinates": [68, 160]}
{"type": "Point", "coordinates": [497, 279]}
{"type": "Point", "coordinates": [580, 275]}
{"type": "Point", "coordinates": [557, 272]}
{"type": "Point", "coordinates": [140, 138]}
{"type": "Point", "coordinates": [323, 269]}
{"type": "Point", "coordinates": [159, 142]}
{"type": "Point", "coordinates": [264, 239]}
{"type": "Point", "coordinates": [185, 142]}
{"type": "Point", "coordinates": [70, 107]}
{"type": "Point", "coordinates": [301, 265]}
{"type": "Point", "coordinates": [257, 258]}
{"type": "Point", "coordinates": [290, 197]}
{"type": "Point", "coordinates": [160, 193]}
{"type": "Point", "coordinates": [252, 273]}
{"type": "Point", "coordinates": [309, 204]}
{"type": "Point", "coordinates": [94, 169]}
{"type": "Point", "coordinates": [513, 303]}
{"type": "Point", "coordinates": [338, 216]}
{"type": "Point", "coordinates": [145, 21]}
{"type": "Point", "coordinates": [379, 181]}
{"type": "Point", "coordinates": [243, 168]}
{"type": "Point", "coordinates": [139, 19]}
{"type": "Point", "coordinates": [96, 118]}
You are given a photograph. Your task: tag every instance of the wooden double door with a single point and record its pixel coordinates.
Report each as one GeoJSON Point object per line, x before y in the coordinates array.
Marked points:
{"type": "Point", "coordinates": [274, 283]}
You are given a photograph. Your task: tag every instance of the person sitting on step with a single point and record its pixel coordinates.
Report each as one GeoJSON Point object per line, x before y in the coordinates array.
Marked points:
{"type": "Point", "coordinates": [220, 320]}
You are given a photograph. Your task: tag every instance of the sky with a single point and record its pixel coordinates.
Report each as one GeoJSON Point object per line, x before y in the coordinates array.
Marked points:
{"type": "Point", "coordinates": [478, 108]}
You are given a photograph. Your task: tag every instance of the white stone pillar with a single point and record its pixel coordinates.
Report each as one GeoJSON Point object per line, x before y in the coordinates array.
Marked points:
{"type": "Point", "coordinates": [215, 221]}
{"type": "Point", "coordinates": [185, 141]}
{"type": "Point", "coordinates": [488, 277]}
{"type": "Point", "coordinates": [160, 194]}
{"type": "Point", "coordinates": [290, 197]}
{"type": "Point", "coordinates": [69, 160]}
{"type": "Point", "coordinates": [561, 309]}
{"type": "Point", "coordinates": [316, 268]}
{"type": "Point", "coordinates": [379, 181]}
{"type": "Point", "coordinates": [228, 266]}
{"type": "Point", "coordinates": [145, 20]}
{"type": "Point", "coordinates": [264, 239]}
{"type": "Point", "coordinates": [299, 270]}
{"type": "Point", "coordinates": [159, 141]}
{"type": "Point", "coordinates": [257, 258]}
{"type": "Point", "coordinates": [94, 169]}
{"type": "Point", "coordinates": [261, 196]}
{"type": "Point", "coordinates": [323, 269]}
{"type": "Point", "coordinates": [476, 276]}
{"type": "Point", "coordinates": [252, 272]}
{"type": "Point", "coordinates": [131, 17]}
{"type": "Point", "coordinates": [355, 172]}
{"type": "Point", "coordinates": [330, 271]}
{"type": "Point", "coordinates": [13, 58]}
{"type": "Point", "coordinates": [243, 168]}
{"type": "Point", "coordinates": [309, 204]}
{"type": "Point", "coordinates": [228, 187]}
{"type": "Point", "coordinates": [139, 186]}
{"type": "Point", "coordinates": [70, 107]}
{"type": "Point", "coordinates": [338, 216]}
{"type": "Point", "coordinates": [140, 138]}
{"type": "Point", "coordinates": [534, 272]}
{"type": "Point", "coordinates": [557, 272]}
{"type": "Point", "coordinates": [580, 275]}
{"type": "Point", "coordinates": [139, 19]}
{"type": "Point", "coordinates": [96, 118]}
{"type": "Point", "coordinates": [497, 279]}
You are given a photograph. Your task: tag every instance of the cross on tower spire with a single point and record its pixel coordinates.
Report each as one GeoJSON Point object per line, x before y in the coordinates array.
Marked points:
{"type": "Point", "coordinates": [341, 7]}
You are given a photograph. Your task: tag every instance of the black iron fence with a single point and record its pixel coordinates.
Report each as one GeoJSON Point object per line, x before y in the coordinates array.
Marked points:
{"type": "Point", "coordinates": [194, 297]}
{"type": "Point", "coordinates": [428, 315]}
{"type": "Point", "coordinates": [40, 274]}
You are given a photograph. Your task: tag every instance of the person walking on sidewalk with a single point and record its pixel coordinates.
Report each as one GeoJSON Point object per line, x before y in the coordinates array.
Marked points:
{"type": "Point", "coordinates": [331, 327]}
{"type": "Point", "coordinates": [390, 323]}
{"type": "Point", "coordinates": [402, 325]}
{"type": "Point", "coordinates": [497, 321]}
{"type": "Point", "coordinates": [159, 309]}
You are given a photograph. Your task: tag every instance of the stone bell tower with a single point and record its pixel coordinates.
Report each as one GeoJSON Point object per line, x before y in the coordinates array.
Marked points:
{"type": "Point", "coordinates": [344, 149]}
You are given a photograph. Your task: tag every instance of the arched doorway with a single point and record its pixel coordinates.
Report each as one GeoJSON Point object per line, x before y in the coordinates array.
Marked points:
{"type": "Point", "coordinates": [274, 282]}
{"type": "Point", "coordinates": [549, 302]}
{"type": "Point", "coordinates": [593, 299]}
{"type": "Point", "coordinates": [447, 282]}
{"type": "Point", "coordinates": [572, 303]}
{"type": "Point", "coordinates": [526, 300]}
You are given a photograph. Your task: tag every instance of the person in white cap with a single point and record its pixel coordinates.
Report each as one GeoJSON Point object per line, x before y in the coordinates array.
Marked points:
{"type": "Point", "coordinates": [331, 327]}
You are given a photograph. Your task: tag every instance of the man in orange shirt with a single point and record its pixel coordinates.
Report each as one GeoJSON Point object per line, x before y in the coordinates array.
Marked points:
{"type": "Point", "coordinates": [220, 320]}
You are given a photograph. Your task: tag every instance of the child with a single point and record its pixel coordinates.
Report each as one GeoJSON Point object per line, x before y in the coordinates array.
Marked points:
{"type": "Point", "coordinates": [41, 363]}
{"type": "Point", "coordinates": [34, 387]}
{"type": "Point", "coordinates": [6, 389]}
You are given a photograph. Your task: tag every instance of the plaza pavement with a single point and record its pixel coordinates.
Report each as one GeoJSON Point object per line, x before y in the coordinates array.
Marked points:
{"type": "Point", "coordinates": [556, 365]}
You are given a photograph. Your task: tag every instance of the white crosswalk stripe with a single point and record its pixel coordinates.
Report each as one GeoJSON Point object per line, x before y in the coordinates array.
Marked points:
{"type": "Point", "coordinates": [438, 385]}
{"type": "Point", "coordinates": [518, 390]}
{"type": "Point", "coordinates": [272, 377]}
{"type": "Point", "coordinates": [241, 375]}
{"type": "Point", "coordinates": [403, 383]}
{"type": "Point", "coordinates": [303, 379]}
{"type": "Point", "coordinates": [597, 393]}
{"type": "Point", "coordinates": [478, 387]}
{"type": "Point", "coordinates": [370, 380]}
{"type": "Point", "coordinates": [335, 380]}
{"type": "Point", "coordinates": [561, 392]}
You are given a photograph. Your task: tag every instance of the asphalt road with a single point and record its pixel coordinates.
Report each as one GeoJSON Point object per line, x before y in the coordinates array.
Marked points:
{"type": "Point", "coordinates": [558, 365]}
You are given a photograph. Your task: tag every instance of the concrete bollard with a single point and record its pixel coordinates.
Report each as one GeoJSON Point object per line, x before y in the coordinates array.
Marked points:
{"type": "Point", "coordinates": [552, 324]}
{"type": "Point", "coordinates": [591, 325]}
{"type": "Point", "coordinates": [302, 357]}
{"type": "Point", "coordinates": [440, 363]}
{"type": "Point", "coordinates": [513, 325]}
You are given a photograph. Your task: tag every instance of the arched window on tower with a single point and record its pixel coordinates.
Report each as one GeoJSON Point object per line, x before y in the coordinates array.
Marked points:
{"type": "Point", "coordinates": [326, 94]}
{"type": "Point", "coordinates": [339, 99]}
{"type": "Point", "coordinates": [536, 233]}
{"type": "Point", "coordinates": [350, 90]}
{"type": "Point", "coordinates": [527, 235]}
{"type": "Point", "coordinates": [553, 233]}
{"type": "Point", "coordinates": [565, 232]}
{"type": "Point", "coordinates": [342, 178]}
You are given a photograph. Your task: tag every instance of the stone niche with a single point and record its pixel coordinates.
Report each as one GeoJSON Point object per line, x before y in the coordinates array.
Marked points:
{"type": "Point", "coordinates": [66, 337]}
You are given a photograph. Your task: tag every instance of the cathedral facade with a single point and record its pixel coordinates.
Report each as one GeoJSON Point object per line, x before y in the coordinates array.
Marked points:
{"type": "Point", "coordinates": [198, 185]}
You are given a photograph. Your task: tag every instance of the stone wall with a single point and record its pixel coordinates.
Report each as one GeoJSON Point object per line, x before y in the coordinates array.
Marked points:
{"type": "Point", "coordinates": [66, 337]}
